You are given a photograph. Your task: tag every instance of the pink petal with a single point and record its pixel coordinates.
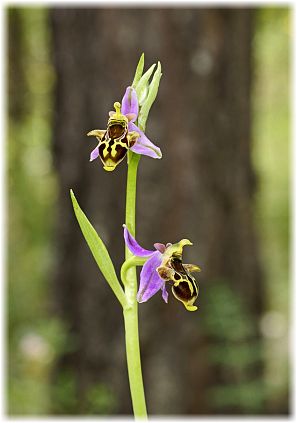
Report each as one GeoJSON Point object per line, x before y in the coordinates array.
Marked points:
{"type": "Point", "coordinates": [143, 145]}
{"type": "Point", "coordinates": [130, 103]}
{"type": "Point", "coordinates": [94, 154]}
{"type": "Point", "coordinates": [150, 281]}
{"type": "Point", "coordinates": [134, 247]}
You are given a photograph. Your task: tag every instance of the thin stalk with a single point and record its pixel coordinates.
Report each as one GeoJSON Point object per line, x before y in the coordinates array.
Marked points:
{"type": "Point", "coordinates": [131, 262]}
{"type": "Point", "coordinates": [133, 160]}
{"type": "Point", "coordinates": [131, 312]}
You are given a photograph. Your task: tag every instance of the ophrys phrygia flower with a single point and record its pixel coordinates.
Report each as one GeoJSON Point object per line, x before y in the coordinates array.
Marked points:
{"type": "Point", "coordinates": [122, 134]}
{"type": "Point", "coordinates": [165, 265]}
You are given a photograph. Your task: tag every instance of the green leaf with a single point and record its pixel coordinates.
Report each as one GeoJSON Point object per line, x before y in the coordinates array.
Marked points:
{"type": "Point", "coordinates": [142, 86]}
{"type": "Point", "coordinates": [139, 70]}
{"type": "Point", "coordinates": [99, 251]}
{"type": "Point", "coordinates": [153, 91]}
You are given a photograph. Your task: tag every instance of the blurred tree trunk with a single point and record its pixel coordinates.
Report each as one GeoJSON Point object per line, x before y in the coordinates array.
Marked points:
{"type": "Point", "coordinates": [16, 81]}
{"type": "Point", "coordinates": [202, 189]}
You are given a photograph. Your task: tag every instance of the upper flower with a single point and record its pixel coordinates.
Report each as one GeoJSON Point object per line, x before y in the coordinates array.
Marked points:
{"type": "Point", "coordinates": [122, 134]}
{"type": "Point", "coordinates": [165, 264]}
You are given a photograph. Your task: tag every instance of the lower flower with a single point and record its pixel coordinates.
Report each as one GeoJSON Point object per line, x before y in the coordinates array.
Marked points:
{"type": "Point", "coordinates": [164, 265]}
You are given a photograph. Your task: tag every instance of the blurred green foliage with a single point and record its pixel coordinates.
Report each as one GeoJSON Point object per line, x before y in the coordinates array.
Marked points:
{"type": "Point", "coordinates": [271, 133]}
{"type": "Point", "coordinates": [234, 350]}
{"type": "Point", "coordinates": [99, 400]}
{"type": "Point", "coordinates": [30, 173]}
{"type": "Point", "coordinates": [36, 338]}
{"type": "Point", "coordinates": [226, 319]}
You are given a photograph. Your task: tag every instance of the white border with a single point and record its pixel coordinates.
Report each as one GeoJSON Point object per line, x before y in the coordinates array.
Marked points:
{"type": "Point", "coordinates": [3, 242]}
{"type": "Point", "coordinates": [151, 3]}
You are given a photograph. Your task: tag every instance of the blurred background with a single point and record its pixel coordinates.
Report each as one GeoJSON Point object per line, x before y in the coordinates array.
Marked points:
{"type": "Point", "coordinates": [222, 120]}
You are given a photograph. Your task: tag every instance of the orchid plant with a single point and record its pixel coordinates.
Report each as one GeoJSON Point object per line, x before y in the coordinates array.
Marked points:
{"type": "Point", "coordinates": [161, 267]}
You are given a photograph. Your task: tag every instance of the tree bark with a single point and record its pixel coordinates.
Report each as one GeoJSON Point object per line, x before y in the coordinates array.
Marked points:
{"type": "Point", "coordinates": [202, 189]}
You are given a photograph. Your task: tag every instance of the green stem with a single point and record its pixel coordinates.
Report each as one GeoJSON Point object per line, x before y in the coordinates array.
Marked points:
{"type": "Point", "coordinates": [131, 312]}
{"type": "Point", "coordinates": [133, 160]}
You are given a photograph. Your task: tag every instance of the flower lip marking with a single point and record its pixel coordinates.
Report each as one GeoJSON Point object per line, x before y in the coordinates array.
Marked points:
{"type": "Point", "coordinates": [122, 134]}
{"type": "Point", "coordinates": [165, 265]}
{"type": "Point", "coordinates": [185, 288]}
{"type": "Point", "coordinates": [115, 141]}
